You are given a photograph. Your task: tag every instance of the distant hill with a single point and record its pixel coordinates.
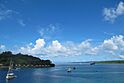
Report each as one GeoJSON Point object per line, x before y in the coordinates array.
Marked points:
{"type": "Point", "coordinates": [104, 62]}
{"type": "Point", "coordinates": [22, 60]}
{"type": "Point", "coordinates": [112, 62]}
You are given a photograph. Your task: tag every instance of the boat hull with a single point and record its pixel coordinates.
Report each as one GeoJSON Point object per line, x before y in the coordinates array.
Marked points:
{"type": "Point", "coordinates": [10, 76]}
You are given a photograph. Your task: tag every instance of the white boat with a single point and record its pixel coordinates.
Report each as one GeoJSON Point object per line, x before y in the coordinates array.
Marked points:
{"type": "Point", "coordinates": [69, 70]}
{"type": "Point", "coordinates": [10, 74]}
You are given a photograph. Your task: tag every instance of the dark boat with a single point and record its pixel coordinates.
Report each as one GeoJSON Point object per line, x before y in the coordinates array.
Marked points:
{"type": "Point", "coordinates": [92, 63]}
{"type": "Point", "coordinates": [74, 68]}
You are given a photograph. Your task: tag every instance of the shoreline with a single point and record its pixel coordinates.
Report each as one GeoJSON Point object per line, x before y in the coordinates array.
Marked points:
{"type": "Point", "coordinates": [6, 67]}
{"type": "Point", "coordinates": [104, 62]}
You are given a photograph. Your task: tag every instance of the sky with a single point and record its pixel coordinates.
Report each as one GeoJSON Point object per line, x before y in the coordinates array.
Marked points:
{"type": "Point", "coordinates": [63, 30]}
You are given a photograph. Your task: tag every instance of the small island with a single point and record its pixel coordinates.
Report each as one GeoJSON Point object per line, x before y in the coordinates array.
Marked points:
{"type": "Point", "coordinates": [23, 61]}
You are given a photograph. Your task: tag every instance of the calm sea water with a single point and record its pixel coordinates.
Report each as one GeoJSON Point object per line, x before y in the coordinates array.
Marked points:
{"type": "Point", "coordinates": [84, 73]}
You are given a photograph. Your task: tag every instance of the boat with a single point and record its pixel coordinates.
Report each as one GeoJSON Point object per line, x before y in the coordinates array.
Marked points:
{"type": "Point", "coordinates": [69, 70]}
{"type": "Point", "coordinates": [10, 74]}
{"type": "Point", "coordinates": [74, 68]}
{"type": "Point", "coordinates": [92, 63]}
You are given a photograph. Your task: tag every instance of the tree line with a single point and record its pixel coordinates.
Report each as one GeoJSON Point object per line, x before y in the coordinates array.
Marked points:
{"type": "Point", "coordinates": [7, 56]}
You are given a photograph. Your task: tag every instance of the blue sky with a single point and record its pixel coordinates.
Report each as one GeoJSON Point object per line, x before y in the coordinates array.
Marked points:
{"type": "Point", "coordinates": [63, 30]}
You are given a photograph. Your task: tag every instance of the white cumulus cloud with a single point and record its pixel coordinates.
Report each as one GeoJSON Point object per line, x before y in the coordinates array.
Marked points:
{"type": "Point", "coordinates": [109, 45]}
{"type": "Point", "coordinates": [110, 14]}
{"type": "Point", "coordinates": [56, 45]}
{"type": "Point", "coordinates": [2, 46]}
{"type": "Point", "coordinates": [113, 46]}
{"type": "Point", "coordinates": [39, 44]}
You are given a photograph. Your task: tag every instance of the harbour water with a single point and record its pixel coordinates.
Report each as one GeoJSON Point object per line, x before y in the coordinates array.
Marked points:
{"type": "Point", "coordinates": [83, 73]}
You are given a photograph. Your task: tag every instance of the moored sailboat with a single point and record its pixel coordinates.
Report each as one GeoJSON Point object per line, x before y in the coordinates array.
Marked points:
{"type": "Point", "coordinates": [10, 74]}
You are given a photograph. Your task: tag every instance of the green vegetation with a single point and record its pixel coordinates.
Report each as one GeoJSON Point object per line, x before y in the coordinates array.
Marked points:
{"type": "Point", "coordinates": [112, 62]}
{"type": "Point", "coordinates": [21, 60]}
{"type": "Point", "coordinates": [104, 62]}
